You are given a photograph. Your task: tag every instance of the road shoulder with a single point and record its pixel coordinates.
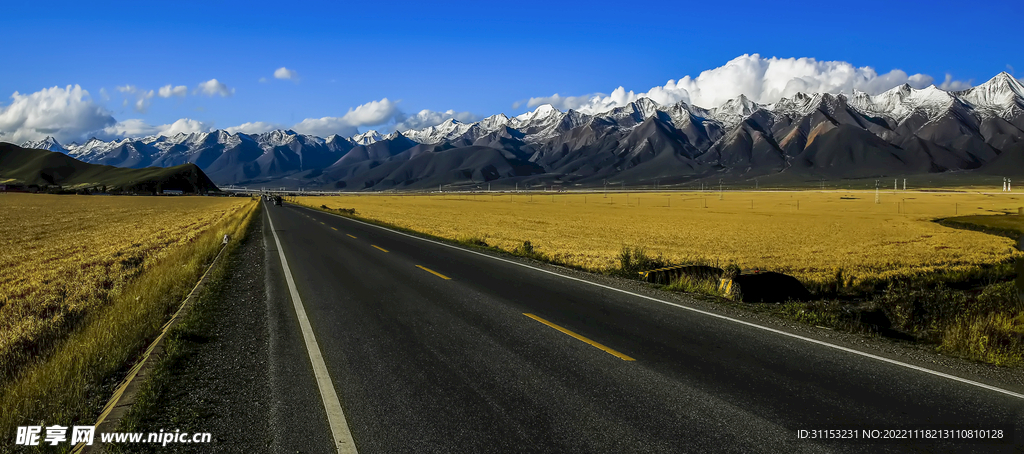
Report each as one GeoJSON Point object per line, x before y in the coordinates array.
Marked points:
{"type": "Point", "coordinates": [214, 378]}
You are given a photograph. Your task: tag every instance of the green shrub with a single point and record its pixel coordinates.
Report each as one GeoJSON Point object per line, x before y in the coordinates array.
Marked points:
{"type": "Point", "coordinates": [634, 260]}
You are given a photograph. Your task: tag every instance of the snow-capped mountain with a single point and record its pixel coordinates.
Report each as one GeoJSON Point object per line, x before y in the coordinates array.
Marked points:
{"type": "Point", "coordinates": [447, 130]}
{"type": "Point", "coordinates": [367, 137]}
{"type": "Point", "coordinates": [49, 143]}
{"type": "Point", "coordinates": [1003, 96]}
{"type": "Point", "coordinates": [902, 131]}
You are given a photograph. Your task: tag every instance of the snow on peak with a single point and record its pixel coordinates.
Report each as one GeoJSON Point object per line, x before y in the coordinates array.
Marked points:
{"type": "Point", "coordinates": [276, 138]}
{"type": "Point", "coordinates": [1000, 95]}
{"type": "Point", "coordinates": [902, 101]}
{"type": "Point", "coordinates": [740, 105]}
{"type": "Point", "coordinates": [542, 111]}
{"type": "Point", "coordinates": [49, 143]}
{"type": "Point", "coordinates": [646, 107]}
{"type": "Point", "coordinates": [367, 137]}
{"type": "Point", "coordinates": [733, 111]}
{"type": "Point", "coordinates": [494, 122]}
{"type": "Point", "coordinates": [91, 147]}
{"type": "Point", "coordinates": [449, 129]}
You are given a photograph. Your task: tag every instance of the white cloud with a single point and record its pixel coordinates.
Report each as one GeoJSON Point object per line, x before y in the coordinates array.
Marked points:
{"type": "Point", "coordinates": [213, 87]}
{"type": "Point", "coordinates": [426, 118]}
{"type": "Point", "coordinates": [139, 128]}
{"type": "Point", "coordinates": [370, 114]}
{"type": "Point", "coordinates": [254, 127]}
{"type": "Point", "coordinates": [954, 85]}
{"type": "Point", "coordinates": [285, 73]}
{"type": "Point", "coordinates": [143, 98]}
{"type": "Point", "coordinates": [64, 113]}
{"type": "Point", "coordinates": [560, 102]}
{"type": "Point", "coordinates": [169, 90]}
{"type": "Point", "coordinates": [764, 80]}
{"type": "Point", "coordinates": [263, 79]}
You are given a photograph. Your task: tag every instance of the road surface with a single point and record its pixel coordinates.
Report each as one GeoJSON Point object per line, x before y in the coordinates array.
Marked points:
{"type": "Point", "coordinates": [409, 345]}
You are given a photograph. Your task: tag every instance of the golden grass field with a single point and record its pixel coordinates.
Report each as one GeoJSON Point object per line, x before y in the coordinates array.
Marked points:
{"type": "Point", "coordinates": [808, 234]}
{"type": "Point", "coordinates": [64, 256]}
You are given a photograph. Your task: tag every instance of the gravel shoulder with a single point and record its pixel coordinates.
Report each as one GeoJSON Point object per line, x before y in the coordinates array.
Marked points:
{"type": "Point", "coordinates": [215, 378]}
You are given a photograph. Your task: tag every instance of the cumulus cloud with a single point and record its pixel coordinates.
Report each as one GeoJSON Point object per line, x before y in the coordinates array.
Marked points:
{"type": "Point", "coordinates": [169, 90]}
{"type": "Point", "coordinates": [426, 118]}
{"type": "Point", "coordinates": [286, 74]}
{"type": "Point", "coordinates": [64, 113]}
{"type": "Point", "coordinates": [370, 114]}
{"type": "Point", "coordinates": [213, 87]}
{"type": "Point", "coordinates": [139, 128]}
{"type": "Point", "coordinates": [764, 80]}
{"type": "Point", "coordinates": [253, 127]}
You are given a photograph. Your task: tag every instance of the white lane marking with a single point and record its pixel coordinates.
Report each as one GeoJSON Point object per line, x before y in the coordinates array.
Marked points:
{"type": "Point", "coordinates": [335, 416]}
{"type": "Point", "coordinates": [712, 314]}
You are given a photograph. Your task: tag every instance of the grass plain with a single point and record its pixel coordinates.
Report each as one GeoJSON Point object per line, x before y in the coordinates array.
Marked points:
{"type": "Point", "coordinates": [810, 235]}
{"type": "Point", "coordinates": [86, 281]}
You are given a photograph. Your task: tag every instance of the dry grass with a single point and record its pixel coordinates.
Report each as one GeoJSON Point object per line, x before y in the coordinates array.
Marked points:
{"type": "Point", "coordinates": [112, 325]}
{"type": "Point", "coordinates": [65, 256]}
{"type": "Point", "coordinates": [810, 235]}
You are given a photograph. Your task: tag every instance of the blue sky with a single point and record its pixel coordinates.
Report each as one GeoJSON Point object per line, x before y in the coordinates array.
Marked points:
{"type": "Point", "coordinates": [477, 58]}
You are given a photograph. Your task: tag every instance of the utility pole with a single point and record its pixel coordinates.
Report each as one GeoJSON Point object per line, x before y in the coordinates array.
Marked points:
{"type": "Point", "coordinates": [876, 192]}
{"type": "Point", "coordinates": [904, 184]}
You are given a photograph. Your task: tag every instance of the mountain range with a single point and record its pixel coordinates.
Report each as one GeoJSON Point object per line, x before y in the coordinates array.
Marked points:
{"type": "Point", "coordinates": [901, 132]}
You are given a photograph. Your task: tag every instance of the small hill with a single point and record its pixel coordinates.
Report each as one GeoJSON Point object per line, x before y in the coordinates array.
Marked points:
{"type": "Point", "coordinates": [33, 167]}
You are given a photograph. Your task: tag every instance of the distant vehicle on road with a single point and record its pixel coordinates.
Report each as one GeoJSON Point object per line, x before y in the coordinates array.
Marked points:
{"type": "Point", "coordinates": [278, 200]}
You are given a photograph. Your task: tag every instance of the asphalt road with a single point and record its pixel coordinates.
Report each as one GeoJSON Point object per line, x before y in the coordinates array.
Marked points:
{"type": "Point", "coordinates": [429, 350]}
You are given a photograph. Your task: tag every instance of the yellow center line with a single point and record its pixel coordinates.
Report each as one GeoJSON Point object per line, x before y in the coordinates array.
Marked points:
{"type": "Point", "coordinates": [435, 273]}
{"type": "Point", "coordinates": [378, 247]}
{"type": "Point", "coordinates": [353, 236]}
{"type": "Point", "coordinates": [581, 338]}
{"type": "Point", "coordinates": [332, 228]}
